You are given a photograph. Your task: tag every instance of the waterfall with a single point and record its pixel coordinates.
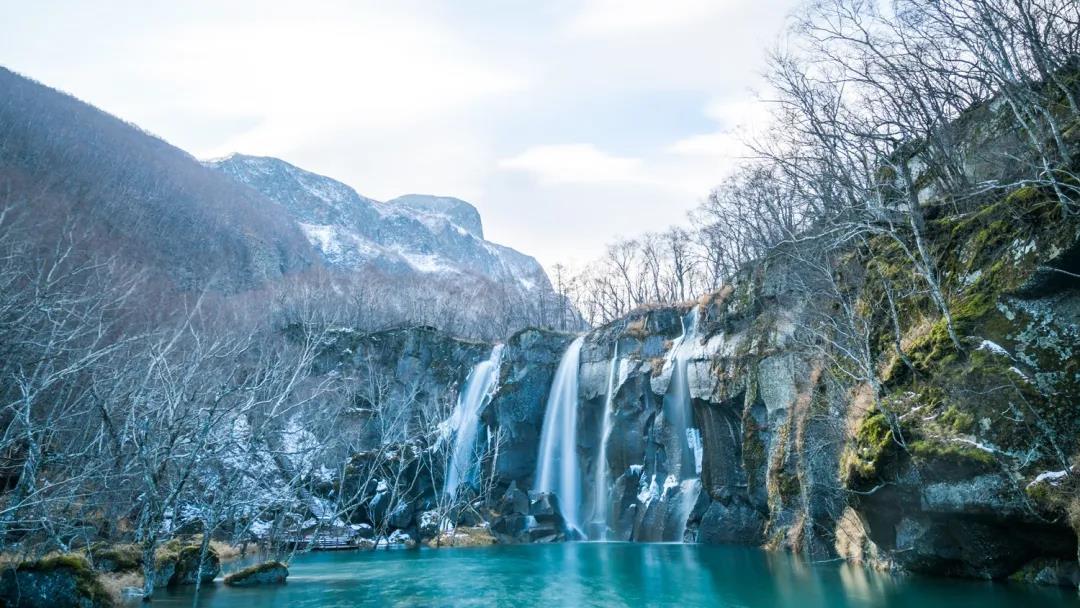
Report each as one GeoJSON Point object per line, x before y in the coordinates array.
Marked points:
{"type": "Point", "coordinates": [677, 408]}
{"type": "Point", "coordinates": [557, 467]}
{"type": "Point", "coordinates": [678, 411]}
{"type": "Point", "coordinates": [601, 499]}
{"type": "Point", "coordinates": [464, 421]}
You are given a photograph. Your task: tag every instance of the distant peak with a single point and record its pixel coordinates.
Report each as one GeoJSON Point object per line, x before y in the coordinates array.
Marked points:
{"type": "Point", "coordinates": [454, 209]}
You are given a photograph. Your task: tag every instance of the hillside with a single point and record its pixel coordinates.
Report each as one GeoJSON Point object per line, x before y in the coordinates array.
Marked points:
{"type": "Point", "coordinates": [253, 230]}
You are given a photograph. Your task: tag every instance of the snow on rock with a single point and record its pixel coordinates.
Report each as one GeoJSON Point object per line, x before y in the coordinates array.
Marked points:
{"type": "Point", "coordinates": [1052, 477]}
{"type": "Point", "coordinates": [407, 236]}
{"type": "Point", "coordinates": [994, 348]}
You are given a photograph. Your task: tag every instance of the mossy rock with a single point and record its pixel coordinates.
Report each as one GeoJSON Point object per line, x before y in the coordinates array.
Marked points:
{"type": "Point", "coordinates": [950, 459]}
{"type": "Point", "coordinates": [266, 573]}
{"type": "Point", "coordinates": [872, 452]}
{"type": "Point", "coordinates": [116, 558]}
{"type": "Point", "coordinates": [957, 420]}
{"type": "Point", "coordinates": [1046, 571]}
{"type": "Point", "coordinates": [59, 581]}
{"type": "Point", "coordinates": [788, 486]}
{"type": "Point", "coordinates": [177, 563]}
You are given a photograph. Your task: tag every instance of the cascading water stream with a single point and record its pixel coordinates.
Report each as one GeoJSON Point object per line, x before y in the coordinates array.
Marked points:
{"type": "Point", "coordinates": [601, 499]}
{"type": "Point", "coordinates": [465, 420]}
{"type": "Point", "coordinates": [677, 408]}
{"type": "Point", "coordinates": [557, 467]}
{"type": "Point", "coordinates": [679, 412]}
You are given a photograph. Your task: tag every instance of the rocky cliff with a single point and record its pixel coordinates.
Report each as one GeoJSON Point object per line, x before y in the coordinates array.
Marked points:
{"type": "Point", "coordinates": [960, 462]}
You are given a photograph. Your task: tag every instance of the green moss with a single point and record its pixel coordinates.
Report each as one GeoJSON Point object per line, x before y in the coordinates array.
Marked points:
{"type": "Point", "coordinates": [241, 575]}
{"type": "Point", "coordinates": [70, 561]}
{"type": "Point", "coordinates": [951, 459]}
{"type": "Point", "coordinates": [958, 421]}
{"type": "Point", "coordinates": [871, 450]}
{"type": "Point", "coordinates": [788, 486]}
{"type": "Point", "coordinates": [934, 350]}
{"type": "Point", "coordinates": [1041, 494]}
{"type": "Point", "coordinates": [1023, 196]}
{"type": "Point", "coordinates": [87, 584]}
{"type": "Point", "coordinates": [116, 558]}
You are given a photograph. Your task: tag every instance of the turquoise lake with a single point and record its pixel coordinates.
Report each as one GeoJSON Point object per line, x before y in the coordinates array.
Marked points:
{"type": "Point", "coordinates": [603, 574]}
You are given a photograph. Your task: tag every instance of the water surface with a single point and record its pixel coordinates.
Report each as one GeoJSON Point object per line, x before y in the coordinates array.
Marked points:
{"type": "Point", "coordinates": [604, 574]}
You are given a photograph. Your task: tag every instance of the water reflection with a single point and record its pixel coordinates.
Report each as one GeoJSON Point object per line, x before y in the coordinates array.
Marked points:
{"type": "Point", "coordinates": [604, 574]}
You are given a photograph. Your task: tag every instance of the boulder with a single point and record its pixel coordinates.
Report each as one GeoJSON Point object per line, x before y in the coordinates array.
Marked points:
{"type": "Point", "coordinates": [429, 524]}
{"type": "Point", "coordinates": [363, 530]}
{"type": "Point", "coordinates": [510, 528]}
{"type": "Point", "coordinates": [178, 564]}
{"type": "Point", "coordinates": [514, 501]}
{"type": "Point", "coordinates": [116, 558]}
{"type": "Point", "coordinates": [402, 515]}
{"type": "Point", "coordinates": [266, 573]}
{"type": "Point", "coordinates": [401, 539]}
{"type": "Point", "coordinates": [63, 581]}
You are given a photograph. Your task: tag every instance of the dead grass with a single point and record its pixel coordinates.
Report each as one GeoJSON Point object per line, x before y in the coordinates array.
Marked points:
{"type": "Point", "coordinates": [225, 551]}
{"type": "Point", "coordinates": [114, 584]}
{"type": "Point", "coordinates": [478, 536]}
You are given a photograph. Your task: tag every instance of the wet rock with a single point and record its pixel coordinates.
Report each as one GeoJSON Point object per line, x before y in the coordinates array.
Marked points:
{"type": "Point", "coordinates": [511, 528]}
{"type": "Point", "coordinates": [402, 516]}
{"type": "Point", "coordinates": [514, 501]}
{"type": "Point", "coordinates": [1063, 573]}
{"type": "Point", "coordinates": [734, 523]}
{"type": "Point", "coordinates": [178, 564]}
{"type": "Point", "coordinates": [529, 363]}
{"type": "Point", "coordinates": [363, 530]}
{"type": "Point", "coordinates": [266, 573]}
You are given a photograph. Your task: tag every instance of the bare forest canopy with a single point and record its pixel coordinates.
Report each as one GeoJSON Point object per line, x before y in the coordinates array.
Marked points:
{"type": "Point", "coordinates": [880, 113]}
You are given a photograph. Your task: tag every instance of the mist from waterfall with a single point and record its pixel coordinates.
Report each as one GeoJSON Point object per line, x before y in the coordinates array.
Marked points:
{"type": "Point", "coordinates": [465, 420]}
{"type": "Point", "coordinates": [601, 491]}
{"type": "Point", "coordinates": [558, 469]}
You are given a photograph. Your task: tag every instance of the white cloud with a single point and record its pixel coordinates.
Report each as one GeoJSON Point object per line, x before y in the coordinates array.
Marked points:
{"type": "Point", "coordinates": [738, 121]}
{"type": "Point", "coordinates": [422, 95]}
{"type": "Point", "coordinates": [575, 163]}
{"type": "Point", "coordinates": [299, 77]}
{"type": "Point", "coordinates": [600, 17]}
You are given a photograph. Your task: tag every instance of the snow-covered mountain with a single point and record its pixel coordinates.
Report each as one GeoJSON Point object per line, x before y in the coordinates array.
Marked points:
{"type": "Point", "coordinates": [415, 234]}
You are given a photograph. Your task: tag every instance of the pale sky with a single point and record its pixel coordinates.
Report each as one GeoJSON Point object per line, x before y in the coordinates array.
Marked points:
{"type": "Point", "coordinates": [566, 123]}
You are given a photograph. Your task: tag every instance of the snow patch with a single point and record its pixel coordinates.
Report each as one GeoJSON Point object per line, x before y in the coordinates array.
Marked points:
{"type": "Point", "coordinates": [1051, 477]}
{"type": "Point", "coordinates": [693, 437]}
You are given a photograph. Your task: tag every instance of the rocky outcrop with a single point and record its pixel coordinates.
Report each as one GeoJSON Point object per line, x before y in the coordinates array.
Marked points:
{"type": "Point", "coordinates": [178, 564]}
{"type": "Point", "coordinates": [959, 463]}
{"type": "Point", "coordinates": [406, 369]}
{"type": "Point", "coordinates": [64, 581]}
{"type": "Point", "coordinates": [524, 517]}
{"type": "Point", "coordinates": [266, 573]}
{"type": "Point", "coordinates": [517, 409]}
